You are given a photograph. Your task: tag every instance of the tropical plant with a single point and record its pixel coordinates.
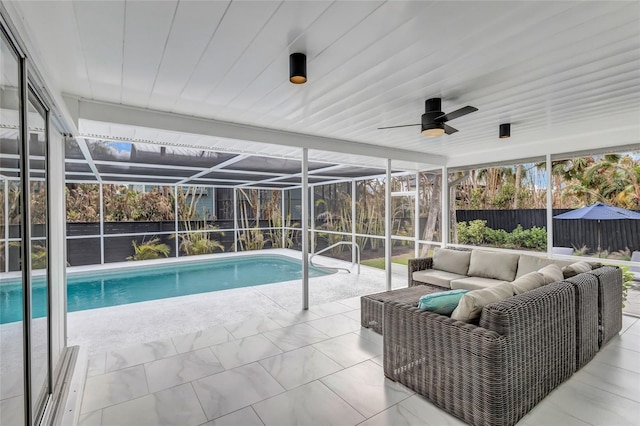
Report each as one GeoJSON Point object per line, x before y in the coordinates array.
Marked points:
{"type": "Point", "coordinates": [152, 249]}
{"type": "Point", "coordinates": [199, 242]}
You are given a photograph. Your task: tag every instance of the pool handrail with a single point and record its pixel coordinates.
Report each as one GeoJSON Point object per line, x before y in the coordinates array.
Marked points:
{"type": "Point", "coordinates": [349, 243]}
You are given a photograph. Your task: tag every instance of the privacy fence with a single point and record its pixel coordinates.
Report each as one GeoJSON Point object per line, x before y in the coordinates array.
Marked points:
{"type": "Point", "coordinates": [614, 234]}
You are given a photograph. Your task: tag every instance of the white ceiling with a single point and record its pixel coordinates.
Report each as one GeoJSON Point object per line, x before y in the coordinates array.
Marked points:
{"type": "Point", "coordinates": [565, 74]}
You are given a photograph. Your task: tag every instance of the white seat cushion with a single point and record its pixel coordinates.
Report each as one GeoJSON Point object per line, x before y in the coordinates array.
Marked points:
{"type": "Point", "coordinates": [471, 304]}
{"type": "Point", "coordinates": [454, 261]}
{"type": "Point", "coordinates": [488, 264]}
{"type": "Point", "coordinates": [474, 283]}
{"type": "Point", "coordinates": [436, 277]}
{"type": "Point", "coordinates": [528, 282]}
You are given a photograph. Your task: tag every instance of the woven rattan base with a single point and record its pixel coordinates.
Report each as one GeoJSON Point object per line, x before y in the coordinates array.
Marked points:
{"type": "Point", "coordinates": [372, 305]}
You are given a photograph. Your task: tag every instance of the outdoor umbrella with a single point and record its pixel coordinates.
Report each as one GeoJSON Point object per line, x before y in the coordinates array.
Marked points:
{"type": "Point", "coordinates": [599, 211]}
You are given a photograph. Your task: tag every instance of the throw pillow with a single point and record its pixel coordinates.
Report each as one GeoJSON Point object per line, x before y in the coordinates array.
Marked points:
{"type": "Point", "coordinates": [575, 269]}
{"type": "Point", "coordinates": [443, 302]}
{"type": "Point", "coordinates": [529, 281]}
{"type": "Point", "coordinates": [552, 273]}
{"type": "Point", "coordinates": [471, 304]}
{"type": "Point", "coordinates": [454, 261]}
{"type": "Point", "coordinates": [489, 264]}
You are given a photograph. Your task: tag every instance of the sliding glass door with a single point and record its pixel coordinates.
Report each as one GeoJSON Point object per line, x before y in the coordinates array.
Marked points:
{"type": "Point", "coordinates": [25, 326]}
{"type": "Point", "coordinates": [12, 343]}
{"type": "Point", "coordinates": [40, 368]}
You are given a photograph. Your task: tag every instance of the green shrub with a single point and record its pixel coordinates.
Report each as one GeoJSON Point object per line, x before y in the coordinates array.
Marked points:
{"type": "Point", "coordinates": [477, 233]}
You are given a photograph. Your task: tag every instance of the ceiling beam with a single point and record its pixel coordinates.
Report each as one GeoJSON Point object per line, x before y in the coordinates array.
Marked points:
{"type": "Point", "coordinates": [84, 148]}
{"type": "Point", "coordinates": [135, 116]}
{"type": "Point", "coordinates": [222, 165]}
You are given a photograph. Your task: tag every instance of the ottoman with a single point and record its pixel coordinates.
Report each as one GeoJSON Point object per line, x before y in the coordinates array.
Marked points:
{"type": "Point", "coordinates": [372, 305]}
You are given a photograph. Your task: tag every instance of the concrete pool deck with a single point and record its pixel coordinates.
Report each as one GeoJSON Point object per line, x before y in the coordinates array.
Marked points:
{"type": "Point", "coordinates": [104, 329]}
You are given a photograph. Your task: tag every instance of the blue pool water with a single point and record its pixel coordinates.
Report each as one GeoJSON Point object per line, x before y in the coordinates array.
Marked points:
{"type": "Point", "coordinates": [137, 285]}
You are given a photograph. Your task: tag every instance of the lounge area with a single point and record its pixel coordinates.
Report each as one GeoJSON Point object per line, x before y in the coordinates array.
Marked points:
{"type": "Point", "coordinates": [287, 212]}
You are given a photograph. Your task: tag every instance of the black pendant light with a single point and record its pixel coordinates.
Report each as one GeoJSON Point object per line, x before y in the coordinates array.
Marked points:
{"type": "Point", "coordinates": [298, 68]}
{"type": "Point", "coordinates": [505, 131]}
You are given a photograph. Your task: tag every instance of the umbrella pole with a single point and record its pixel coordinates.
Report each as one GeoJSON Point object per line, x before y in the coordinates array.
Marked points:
{"type": "Point", "coordinates": [599, 248]}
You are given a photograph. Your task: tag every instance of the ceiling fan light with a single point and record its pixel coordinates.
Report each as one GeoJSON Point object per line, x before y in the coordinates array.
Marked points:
{"type": "Point", "coordinates": [505, 131]}
{"type": "Point", "coordinates": [433, 132]}
{"type": "Point", "coordinates": [298, 68]}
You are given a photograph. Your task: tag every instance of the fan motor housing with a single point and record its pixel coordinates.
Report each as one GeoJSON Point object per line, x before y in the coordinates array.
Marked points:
{"type": "Point", "coordinates": [433, 105]}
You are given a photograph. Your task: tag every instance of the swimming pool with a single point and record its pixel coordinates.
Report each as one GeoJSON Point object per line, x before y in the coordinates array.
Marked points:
{"type": "Point", "coordinates": [102, 289]}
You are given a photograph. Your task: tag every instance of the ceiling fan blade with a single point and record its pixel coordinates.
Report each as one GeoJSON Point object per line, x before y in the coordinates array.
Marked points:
{"type": "Point", "coordinates": [395, 127]}
{"type": "Point", "coordinates": [449, 130]}
{"type": "Point", "coordinates": [455, 114]}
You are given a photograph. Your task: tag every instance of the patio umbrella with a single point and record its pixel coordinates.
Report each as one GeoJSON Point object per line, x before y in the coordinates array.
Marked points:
{"type": "Point", "coordinates": [599, 212]}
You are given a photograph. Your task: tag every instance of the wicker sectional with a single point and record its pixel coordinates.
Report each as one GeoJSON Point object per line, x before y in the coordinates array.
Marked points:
{"type": "Point", "coordinates": [494, 372]}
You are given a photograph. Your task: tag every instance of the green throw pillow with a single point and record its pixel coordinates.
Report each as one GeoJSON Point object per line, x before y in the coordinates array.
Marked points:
{"type": "Point", "coordinates": [442, 303]}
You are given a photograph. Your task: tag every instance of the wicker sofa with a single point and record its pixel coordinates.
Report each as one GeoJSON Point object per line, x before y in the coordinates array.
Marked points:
{"type": "Point", "coordinates": [494, 372]}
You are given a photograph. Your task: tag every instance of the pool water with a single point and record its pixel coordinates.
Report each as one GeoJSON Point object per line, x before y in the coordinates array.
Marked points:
{"type": "Point", "coordinates": [104, 289]}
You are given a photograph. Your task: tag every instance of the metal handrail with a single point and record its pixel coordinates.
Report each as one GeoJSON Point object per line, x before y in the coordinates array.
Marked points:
{"type": "Point", "coordinates": [350, 243]}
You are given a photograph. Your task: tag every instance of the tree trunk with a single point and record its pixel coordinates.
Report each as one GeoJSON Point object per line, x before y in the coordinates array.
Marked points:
{"type": "Point", "coordinates": [516, 198]}
{"type": "Point", "coordinates": [434, 208]}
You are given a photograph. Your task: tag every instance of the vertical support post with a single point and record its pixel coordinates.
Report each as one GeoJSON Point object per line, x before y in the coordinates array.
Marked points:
{"type": "Point", "coordinates": [284, 218]}
{"type": "Point", "coordinates": [416, 217]}
{"type": "Point", "coordinates": [175, 219]}
{"type": "Point", "coordinates": [25, 236]}
{"type": "Point", "coordinates": [445, 216]}
{"type": "Point", "coordinates": [101, 224]}
{"type": "Point", "coordinates": [235, 219]}
{"type": "Point", "coordinates": [214, 211]}
{"type": "Point", "coordinates": [305, 228]}
{"type": "Point", "coordinates": [387, 226]}
{"type": "Point", "coordinates": [549, 206]}
{"type": "Point", "coordinates": [353, 221]}
{"type": "Point", "coordinates": [6, 225]}
{"type": "Point", "coordinates": [312, 222]}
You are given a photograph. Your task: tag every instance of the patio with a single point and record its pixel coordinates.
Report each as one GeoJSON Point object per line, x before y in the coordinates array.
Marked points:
{"type": "Point", "coordinates": [316, 367]}
{"type": "Point", "coordinates": [173, 128]}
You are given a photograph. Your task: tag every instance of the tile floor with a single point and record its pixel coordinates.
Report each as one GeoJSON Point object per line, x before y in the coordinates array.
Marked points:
{"type": "Point", "coordinates": [321, 369]}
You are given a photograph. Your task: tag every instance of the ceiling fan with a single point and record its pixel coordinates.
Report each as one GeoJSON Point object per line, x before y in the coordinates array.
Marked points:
{"type": "Point", "coordinates": [433, 119]}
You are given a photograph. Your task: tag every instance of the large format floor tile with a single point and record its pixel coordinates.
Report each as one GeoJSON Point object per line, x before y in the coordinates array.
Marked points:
{"type": "Point", "coordinates": [245, 417]}
{"type": "Point", "coordinates": [295, 336]}
{"type": "Point", "coordinates": [619, 357]}
{"type": "Point", "coordinates": [366, 389]}
{"type": "Point", "coordinates": [349, 349]}
{"type": "Point", "coordinates": [616, 380]}
{"type": "Point", "coordinates": [545, 413]}
{"type": "Point", "coordinates": [286, 319]}
{"type": "Point", "coordinates": [209, 337]}
{"type": "Point", "coordinates": [97, 364]}
{"type": "Point", "coordinates": [329, 309]}
{"type": "Point", "coordinates": [251, 327]}
{"type": "Point", "coordinates": [244, 351]}
{"type": "Point", "coordinates": [177, 406]}
{"type": "Point", "coordinates": [593, 405]}
{"type": "Point", "coordinates": [112, 388]}
{"type": "Point", "coordinates": [93, 418]}
{"type": "Point", "coordinates": [181, 368]}
{"type": "Point", "coordinates": [310, 404]}
{"type": "Point", "coordinates": [231, 390]}
{"type": "Point", "coordinates": [299, 366]}
{"type": "Point", "coordinates": [335, 325]}
{"type": "Point", "coordinates": [413, 411]}
{"type": "Point", "coordinates": [117, 360]}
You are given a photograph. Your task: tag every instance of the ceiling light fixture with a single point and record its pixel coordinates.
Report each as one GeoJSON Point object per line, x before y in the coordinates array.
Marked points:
{"type": "Point", "coordinates": [505, 131]}
{"type": "Point", "coordinates": [298, 68]}
{"type": "Point", "coordinates": [432, 130]}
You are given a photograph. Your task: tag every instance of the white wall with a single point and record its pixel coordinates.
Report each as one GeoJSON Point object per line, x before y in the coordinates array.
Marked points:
{"type": "Point", "coordinates": [57, 245]}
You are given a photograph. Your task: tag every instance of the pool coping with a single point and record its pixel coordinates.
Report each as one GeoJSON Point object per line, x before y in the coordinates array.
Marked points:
{"type": "Point", "coordinates": [79, 271]}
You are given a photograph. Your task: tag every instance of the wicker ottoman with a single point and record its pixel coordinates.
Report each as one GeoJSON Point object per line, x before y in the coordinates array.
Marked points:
{"type": "Point", "coordinates": [372, 305]}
